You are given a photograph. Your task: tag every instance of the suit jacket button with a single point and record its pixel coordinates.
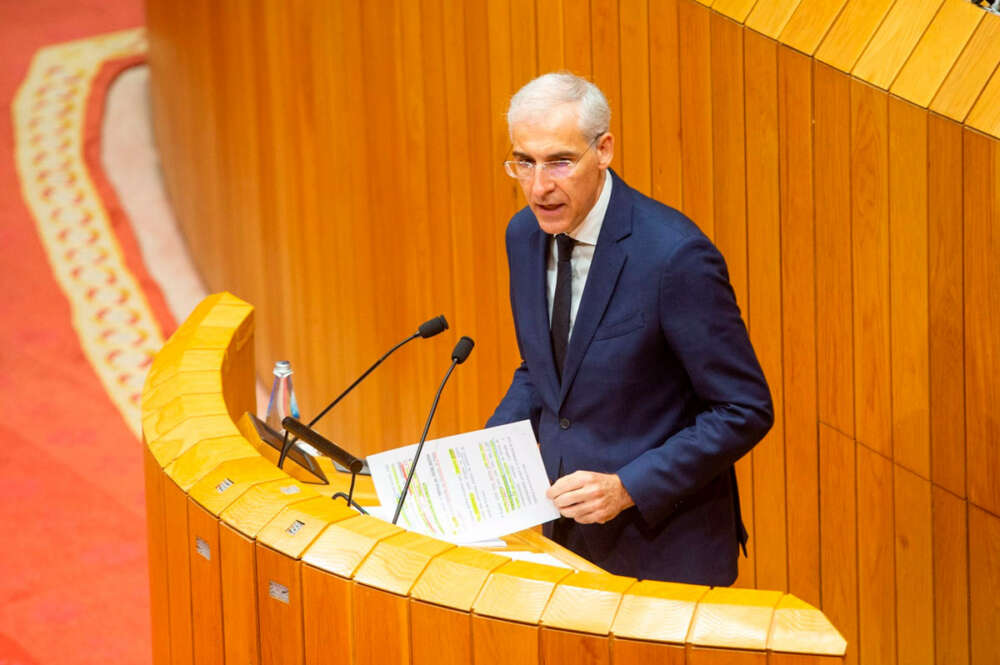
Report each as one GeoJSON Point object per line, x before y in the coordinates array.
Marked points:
{"type": "Point", "coordinates": [564, 423]}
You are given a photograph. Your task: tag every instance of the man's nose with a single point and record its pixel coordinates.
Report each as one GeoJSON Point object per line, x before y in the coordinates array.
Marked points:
{"type": "Point", "coordinates": [541, 181]}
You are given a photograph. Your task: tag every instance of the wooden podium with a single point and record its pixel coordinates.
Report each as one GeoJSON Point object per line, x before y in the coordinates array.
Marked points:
{"type": "Point", "coordinates": [250, 564]}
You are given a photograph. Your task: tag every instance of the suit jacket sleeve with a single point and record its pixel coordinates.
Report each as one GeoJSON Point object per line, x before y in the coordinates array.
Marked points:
{"type": "Point", "coordinates": [701, 322]}
{"type": "Point", "coordinates": [522, 400]}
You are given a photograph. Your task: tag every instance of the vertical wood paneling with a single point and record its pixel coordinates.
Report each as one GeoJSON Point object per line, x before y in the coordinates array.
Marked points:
{"type": "Point", "coordinates": [206, 587]}
{"type": "Point", "coordinates": [576, 36]}
{"type": "Point", "coordinates": [834, 280]}
{"type": "Point", "coordinates": [551, 45]}
{"type": "Point", "coordinates": [951, 578]}
{"type": "Point", "coordinates": [838, 536]}
{"type": "Point", "coordinates": [764, 302]}
{"type": "Point", "coordinates": [982, 318]}
{"type": "Point", "coordinates": [914, 568]}
{"type": "Point", "coordinates": [946, 304]}
{"type": "Point", "coordinates": [729, 152]}
{"type": "Point", "coordinates": [567, 648]}
{"type": "Point", "coordinates": [635, 111]}
{"type": "Point", "coordinates": [281, 637]}
{"type": "Point", "coordinates": [665, 103]}
{"type": "Point", "coordinates": [798, 307]}
{"type": "Point", "coordinates": [159, 582]}
{"type": "Point", "coordinates": [239, 597]}
{"type": "Point", "coordinates": [729, 203]}
{"type": "Point", "coordinates": [696, 114]}
{"type": "Point", "coordinates": [606, 60]}
{"type": "Point", "coordinates": [984, 581]}
{"type": "Point", "coordinates": [178, 567]}
{"type": "Point", "coordinates": [441, 636]}
{"type": "Point", "coordinates": [876, 558]}
{"type": "Point", "coordinates": [870, 252]}
{"type": "Point", "coordinates": [326, 618]}
{"type": "Point", "coordinates": [635, 652]}
{"type": "Point", "coordinates": [909, 282]}
{"type": "Point", "coordinates": [495, 642]}
{"type": "Point", "coordinates": [381, 627]}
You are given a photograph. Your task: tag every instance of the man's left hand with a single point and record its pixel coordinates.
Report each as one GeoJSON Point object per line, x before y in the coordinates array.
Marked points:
{"type": "Point", "coordinates": [589, 497]}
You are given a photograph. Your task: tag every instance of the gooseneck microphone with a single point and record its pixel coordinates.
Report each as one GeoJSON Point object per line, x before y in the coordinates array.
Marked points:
{"type": "Point", "coordinates": [331, 450]}
{"type": "Point", "coordinates": [458, 356]}
{"type": "Point", "coordinates": [427, 329]}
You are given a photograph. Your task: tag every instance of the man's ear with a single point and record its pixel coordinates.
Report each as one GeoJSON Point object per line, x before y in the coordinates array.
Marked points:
{"type": "Point", "coordinates": [605, 149]}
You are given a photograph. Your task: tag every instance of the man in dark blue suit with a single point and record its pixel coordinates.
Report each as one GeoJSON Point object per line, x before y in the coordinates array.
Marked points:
{"type": "Point", "coordinates": [637, 372]}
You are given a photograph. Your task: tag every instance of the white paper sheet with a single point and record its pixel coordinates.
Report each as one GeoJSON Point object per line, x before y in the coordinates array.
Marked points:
{"type": "Point", "coordinates": [469, 487]}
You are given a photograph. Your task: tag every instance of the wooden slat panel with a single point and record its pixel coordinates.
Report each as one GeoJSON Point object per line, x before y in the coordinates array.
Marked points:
{"type": "Point", "coordinates": [729, 152]}
{"type": "Point", "coordinates": [635, 652]}
{"type": "Point", "coordinates": [870, 242]}
{"type": "Point", "coordinates": [982, 318]}
{"type": "Point", "coordinates": [178, 573]}
{"type": "Point", "coordinates": [665, 103]}
{"type": "Point", "coordinates": [576, 33]}
{"type": "Point", "coordinates": [985, 113]}
{"type": "Point", "coordinates": [764, 311]}
{"type": "Point", "coordinates": [635, 95]}
{"type": "Point", "coordinates": [280, 616]}
{"type": "Point", "coordinates": [550, 35]}
{"type": "Point", "coordinates": [606, 59]}
{"type": "Point", "coordinates": [496, 642]}
{"type": "Point", "coordinates": [984, 581]}
{"type": "Point", "coordinates": [729, 203]}
{"type": "Point", "coordinates": [381, 627]}
{"type": "Point", "coordinates": [946, 304]}
{"type": "Point", "coordinates": [561, 647]}
{"type": "Point", "coordinates": [908, 251]}
{"type": "Point", "coordinates": [810, 23]}
{"type": "Point", "coordinates": [157, 548]}
{"type": "Point", "coordinates": [876, 580]}
{"type": "Point", "coordinates": [914, 568]}
{"type": "Point", "coordinates": [776, 658]}
{"type": "Point", "coordinates": [892, 44]}
{"type": "Point", "coordinates": [441, 636]}
{"type": "Point", "coordinates": [696, 114]}
{"type": "Point", "coordinates": [951, 578]}
{"type": "Point", "coordinates": [326, 618]}
{"type": "Point", "coordinates": [770, 18]}
{"type": "Point", "coordinates": [838, 537]}
{"type": "Point", "coordinates": [206, 586]}
{"type": "Point", "coordinates": [834, 310]}
{"type": "Point", "coordinates": [846, 40]}
{"type": "Point", "coordinates": [738, 10]}
{"type": "Point", "coordinates": [798, 306]}
{"type": "Point", "coordinates": [970, 73]}
{"type": "Point", "coordinates": [239, 596]}
{"type": "Point", "coordinates": [709, 656]}
{"type": "Point", "coordinates": [937, 52]}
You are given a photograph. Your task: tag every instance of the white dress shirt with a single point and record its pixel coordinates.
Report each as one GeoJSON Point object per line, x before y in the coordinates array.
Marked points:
{"type": "Point", "coordinates": [583, 253]}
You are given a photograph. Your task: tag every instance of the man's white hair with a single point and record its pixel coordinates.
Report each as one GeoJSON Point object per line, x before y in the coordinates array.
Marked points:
{"type": "Point", "coordinates": [548, 91]}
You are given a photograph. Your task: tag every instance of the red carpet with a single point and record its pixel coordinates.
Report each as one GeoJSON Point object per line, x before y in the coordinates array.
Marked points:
{"type": "Point", "coordinates": [73, 586]}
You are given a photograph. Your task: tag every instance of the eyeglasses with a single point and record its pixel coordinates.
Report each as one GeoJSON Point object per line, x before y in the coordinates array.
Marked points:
{"type": "Point", "coordinates": [555, 169]}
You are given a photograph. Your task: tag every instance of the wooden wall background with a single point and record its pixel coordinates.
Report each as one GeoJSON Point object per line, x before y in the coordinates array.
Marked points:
{"type": "Point", "coordinates": [338, 165]}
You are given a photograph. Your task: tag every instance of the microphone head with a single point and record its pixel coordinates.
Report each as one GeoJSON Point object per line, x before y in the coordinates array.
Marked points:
{"type": "Point", "coordinates": [462, 350]}
{"type": "Point", "coordinates": [433, 327]}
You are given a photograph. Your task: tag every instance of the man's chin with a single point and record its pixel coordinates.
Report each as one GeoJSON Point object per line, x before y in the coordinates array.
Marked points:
{"type": "Point", "coordinates": [555, 222]}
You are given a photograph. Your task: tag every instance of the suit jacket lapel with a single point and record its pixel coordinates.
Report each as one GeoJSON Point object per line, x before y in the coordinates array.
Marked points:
{"type": "Point", "coordinates": [609, 259]}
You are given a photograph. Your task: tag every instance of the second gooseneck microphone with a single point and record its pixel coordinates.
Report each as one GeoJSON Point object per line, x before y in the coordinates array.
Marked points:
{"type": "Point", "coordinates": [427, 329]}
{"type": "Point", "coordinates": [458, 356]}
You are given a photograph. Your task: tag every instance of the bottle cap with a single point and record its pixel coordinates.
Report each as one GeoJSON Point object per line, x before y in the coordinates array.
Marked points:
{"type": "Point", "coordinates": [282, 368]}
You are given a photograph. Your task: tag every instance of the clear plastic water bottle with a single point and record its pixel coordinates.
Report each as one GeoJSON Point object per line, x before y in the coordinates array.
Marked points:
{"type": "Point", "coordinates": [282, 402]}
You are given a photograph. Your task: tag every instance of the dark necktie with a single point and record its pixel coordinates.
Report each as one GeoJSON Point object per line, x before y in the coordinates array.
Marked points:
{"type": "Point", "coordinates": [562, 300]}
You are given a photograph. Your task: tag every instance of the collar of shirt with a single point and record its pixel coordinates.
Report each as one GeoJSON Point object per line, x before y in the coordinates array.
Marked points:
{"type": "Point", "coordinates": [590, 228]}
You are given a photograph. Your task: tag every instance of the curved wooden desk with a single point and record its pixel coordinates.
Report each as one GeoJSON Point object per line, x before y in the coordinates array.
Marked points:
{"type": "Point", "coordinates": [249, 564]}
